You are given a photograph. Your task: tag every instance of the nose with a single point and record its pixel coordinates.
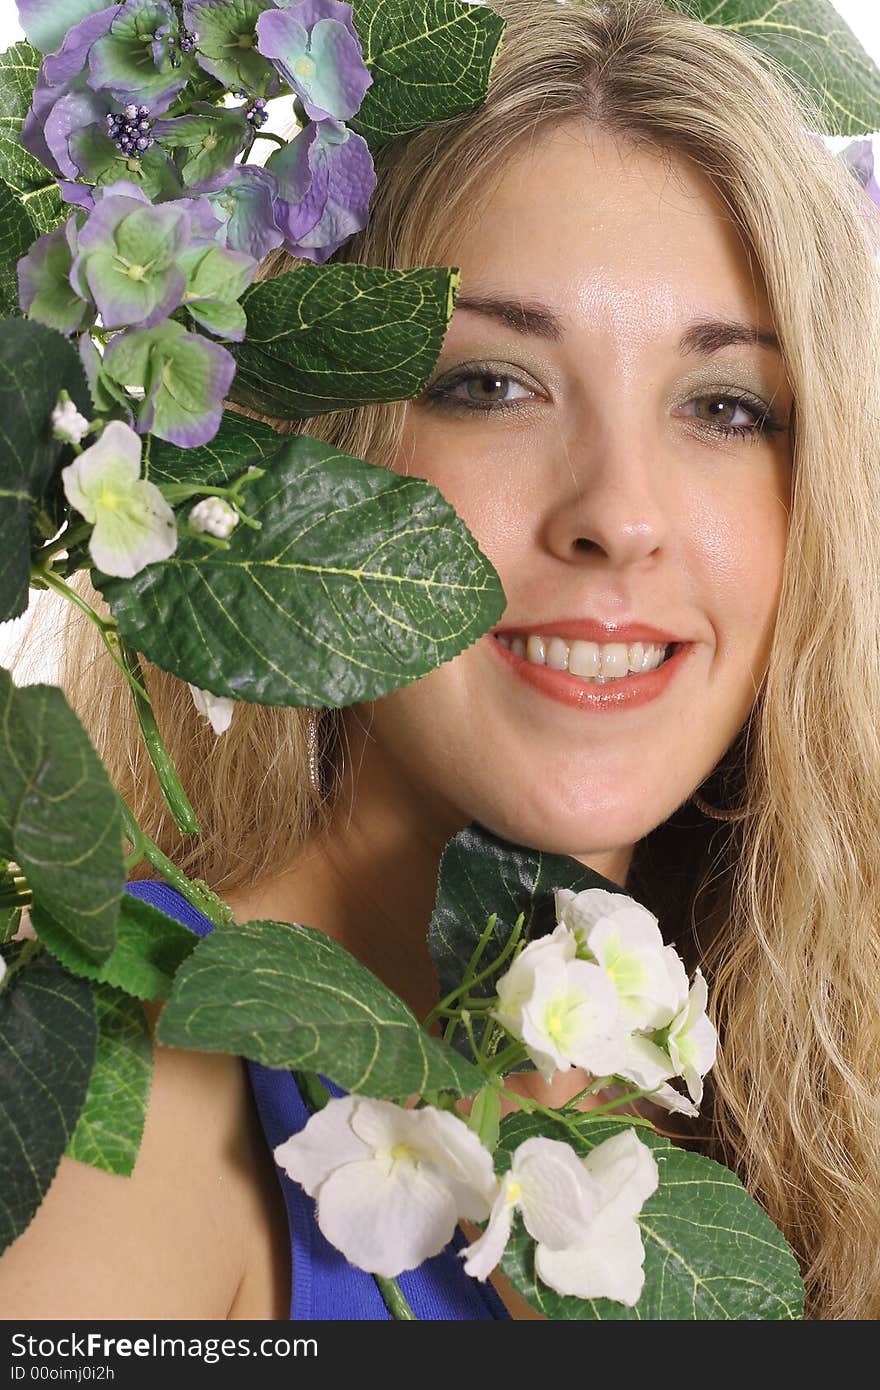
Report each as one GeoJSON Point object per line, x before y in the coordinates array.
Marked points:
{"type": "Point", "coordinates": [609, 499]}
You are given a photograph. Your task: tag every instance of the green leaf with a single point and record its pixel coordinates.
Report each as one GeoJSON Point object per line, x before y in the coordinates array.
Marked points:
{"type": "Point", "coordinates": [48, 1037]}
{"type": "Point", "coordinates": [711, 1252]}
{"type": "Point", "coordinates": [333, 337]}
{"type": "Point", "coordinates": [239, 442]}
{"type": "Point", "coordinates": [16, 234]}
{"type": "Point", "coordinates": [59, 814]}
{"type": "Point", "coordinates": [32, 183]}
{"type": "Point", "coordinates": [481, 874]}
{"type": "Point", "coordinates": [35, 362]}
{"type": "Point", "coordinates": [810, 41]}
{"type": "Point", "coordinates": [428, 62]}
{"type": "Point", "coordinates": [359, 581]}
{"type": "Point", "coordinates": [150, 948]}
{"type": "Point", "coordinates": [111, 1124]}
{"type": "Point", "coordinates": [288, 996]}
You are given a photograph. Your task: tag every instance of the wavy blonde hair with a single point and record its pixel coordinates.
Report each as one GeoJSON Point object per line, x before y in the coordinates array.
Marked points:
{"type": "Point", "coordinates": [782, 906]}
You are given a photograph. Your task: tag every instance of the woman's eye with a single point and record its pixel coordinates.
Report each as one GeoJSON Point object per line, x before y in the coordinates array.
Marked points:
{"type": "Point", "coordinates": [484, 389]}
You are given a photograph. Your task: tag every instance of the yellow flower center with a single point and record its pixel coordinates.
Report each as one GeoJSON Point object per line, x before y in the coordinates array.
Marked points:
{"type": "Point", "coordinates": [136, 272]}
{"type": "Point", "coordinates": [210, 141]}
{"type": "Point", "coordinates": [304, 67]}
{"type": "Point", "coordinates": [246, 40]}
{"type": "Point", "coordinates": [514, 1192]}
{"type": "Point", "coordinates": [403, 1151]}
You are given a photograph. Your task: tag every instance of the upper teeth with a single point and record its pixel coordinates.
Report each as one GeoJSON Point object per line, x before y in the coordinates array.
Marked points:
{"type": "Point", "coordinates": [589, 660]}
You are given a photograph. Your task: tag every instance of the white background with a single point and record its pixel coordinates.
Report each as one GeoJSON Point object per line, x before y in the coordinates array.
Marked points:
{"type": "Point", "coordinates": [862, 16]}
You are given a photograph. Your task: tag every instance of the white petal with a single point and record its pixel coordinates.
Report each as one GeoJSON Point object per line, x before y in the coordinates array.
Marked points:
{"type": "Point", "coordinates": [453, 1148]}
{"type": "Point", "coordinates": [483, 1256]}
{"type": "Point", "coordinates": [559, 1198]}
{"type": "Point", "coordinates": [386, 1221]}
{"type": "Point", "coordinates": [590, 1032]}
{"type": "Point", "coordinates": [217, 709]}
{"type": "Point", "coordinates": [516, 986]}
{"type": "Point", "coordinates": [381, 1124]}
{"type": "Point", "coordinates": [645, 1063]}
{"type": "Point", "coordinates": [669, 1099]}
{"type": "Point", "coordinates": [138, 531]}
{"type": "Point", "coordinates": [609, 1265]}
{"type": "Point", "coordinates": [325, 1143]}
{"type": "Point", "coordinates": [625, 1173]}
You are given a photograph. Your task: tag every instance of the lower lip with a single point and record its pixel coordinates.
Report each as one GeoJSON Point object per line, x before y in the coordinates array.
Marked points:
{"type": "Point", "coordinates": [625, 693]}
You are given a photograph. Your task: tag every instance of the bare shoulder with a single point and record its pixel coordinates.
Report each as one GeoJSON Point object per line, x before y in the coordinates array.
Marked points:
{"type": "Point", "coordinates": [177, 1238]}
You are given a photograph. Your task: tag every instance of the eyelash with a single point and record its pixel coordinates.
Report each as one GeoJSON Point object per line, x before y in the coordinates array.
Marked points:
{"type": "Point", "coordinates": [438, 397]}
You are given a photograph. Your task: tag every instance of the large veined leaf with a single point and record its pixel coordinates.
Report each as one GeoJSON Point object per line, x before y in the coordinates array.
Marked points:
{"type": "Point", "coordinates": [711, 1252]}
{"type": "Point", "coordinates": [48, 1037]}
{"type": "Point", "coordinates": [16, 235]}
{"type": "Point", "coordinates": [35, 362]}
{"type": "Point", "coordinates": [239, 442]}
{"type": "Point", "coordinates": [150, 947]}
{"type": "Point", "coordinates": [359, 581]}
{"type": "Point", "coordinates": [481, 874]}
{"type": "Point", "coordinates": [59, 815]}
{"type": "Point", "coordinates": [288, 996]}
{"type": "Point", "coordinates": [333, 337]}
{"type": "Point", "coordinates": [33, 185]}
{"type": "Point", "coordinates": [111, 1123]}
{"type": "Point", "coordinates": [428, 62]}
{"type": "Point", "coordinates": [810, 40]}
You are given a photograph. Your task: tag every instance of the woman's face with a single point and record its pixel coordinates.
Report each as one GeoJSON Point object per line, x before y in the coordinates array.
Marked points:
{"type": "Point", "coordinates": [600, 485]}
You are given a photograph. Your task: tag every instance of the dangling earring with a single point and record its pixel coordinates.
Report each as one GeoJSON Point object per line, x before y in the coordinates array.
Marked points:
{"type": "Point", "coordinates": [715, 813]}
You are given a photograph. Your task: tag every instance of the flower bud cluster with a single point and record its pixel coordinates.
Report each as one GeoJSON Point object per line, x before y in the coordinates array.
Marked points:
{"type": "Point", "coordinates": [131, 130]}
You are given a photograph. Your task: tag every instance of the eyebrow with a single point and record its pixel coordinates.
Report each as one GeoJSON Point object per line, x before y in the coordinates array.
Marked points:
{"type": "Point", "coordinates": [701, 337]}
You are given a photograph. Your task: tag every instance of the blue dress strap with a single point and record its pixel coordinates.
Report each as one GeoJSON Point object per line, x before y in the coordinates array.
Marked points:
{"type": "Point", "coordinates": [325, 1286]}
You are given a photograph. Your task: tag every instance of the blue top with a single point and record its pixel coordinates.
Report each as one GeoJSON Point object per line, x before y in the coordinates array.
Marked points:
{"type": "Point", "coordinates": [325, 1286]}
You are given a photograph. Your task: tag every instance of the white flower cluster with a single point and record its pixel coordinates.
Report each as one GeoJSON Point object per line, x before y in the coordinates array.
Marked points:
{"type": "Point", "coordinates": [391, 1185]}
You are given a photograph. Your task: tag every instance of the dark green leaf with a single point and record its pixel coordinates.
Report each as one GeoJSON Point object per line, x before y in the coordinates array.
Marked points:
{"type": "Point", "coordinates": [149, 948]}
{"type": "Point", "coordinates": [711, 1252]}
{"type": "Point", "coordinates": [48, 1038]}
{"type": "Point", "coordinates": [809, 40]}
{"type": "Point", "coordinates": [111, 1124]}
{"type": "Point", "coordinates": [480, 873]}
{"type": "Point", "coordinates": [332, 337]}
{"type": "Point", "coordinates": [59, 814]}
{"type": "Point", "coordinates": [16, 235]}
{"type": "Point", "coordinates": [239, 442]}
{"type": "Point", "coordinates": [427, 61]}
{"type": "Point", "coordinates": [288, 996]}
{"type": "Point", "coordinates": [35, 362]}
{"type": "Point", "coordinates": [359, 581]}
{"type": "Point", "coordinates": [33, 185]}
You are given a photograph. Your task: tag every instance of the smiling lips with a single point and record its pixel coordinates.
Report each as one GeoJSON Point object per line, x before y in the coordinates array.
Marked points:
{"type": "Point", "coordinates": [650, 669]}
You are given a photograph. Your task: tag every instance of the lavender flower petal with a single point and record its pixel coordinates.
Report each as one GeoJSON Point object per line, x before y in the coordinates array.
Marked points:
{"type": "Point", "coordinates": [326, 178]}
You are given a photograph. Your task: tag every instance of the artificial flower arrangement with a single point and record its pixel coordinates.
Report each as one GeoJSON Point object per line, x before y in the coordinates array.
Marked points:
{"type": "Point", "coordinates": [132, 225]}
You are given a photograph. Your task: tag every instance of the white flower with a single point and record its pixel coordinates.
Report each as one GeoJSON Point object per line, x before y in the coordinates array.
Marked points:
{"type": "Point", "coordinates": [693, 1040]}
{"type": "Point", "coordinates": [625, 939]}
{"type": "Point", "coordinates": [564, 1010]}
{"type": "Point", "coordinates": [580, 1211]}
{"type": "Point", "coordinates": [391, 1184]}
{"type": "Point", "coordinates": [133, 524]}
{"type": "Point", "coordinates": [218, 709]}
{"type": "Point", "coordinates": [68, 424]}
{"type": "Point", "coordinates": [214, 515]}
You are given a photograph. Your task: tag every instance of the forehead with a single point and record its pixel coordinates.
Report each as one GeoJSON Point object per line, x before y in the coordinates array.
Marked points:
{"type": "Point", "coordinates": [629, 239]}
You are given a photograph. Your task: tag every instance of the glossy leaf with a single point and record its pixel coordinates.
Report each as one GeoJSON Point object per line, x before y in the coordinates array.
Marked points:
{"type": "Point", "coordinates": [33, 185]}
{"type": "Point", "coordinates": [809, 40]}
{"type": "Point", "coordinates": [332, 337]}
{"type": "Point", "coordinates": [239, 442]}
{"type": "Point", "coordinates": [288, 996]}
{"type": "Point", "coordinates": [35, 362]}
{"type": "Point", "coordinates": [359, 582]}
{"type": "Point", "coordinates": [711, 1252]}
{"type": "Point", "coordinates": [59, 814]}
{"type": "Point", "coordinates": [428, 62]}
{"type": "Point", "coordinates": [150, 947]}
{"type": "Point", "coordinates": [17, 231]}
{"type": "Point", "coordinates": [48, 1037]}
{"type": "Point", "coordinates": [111, 1123]}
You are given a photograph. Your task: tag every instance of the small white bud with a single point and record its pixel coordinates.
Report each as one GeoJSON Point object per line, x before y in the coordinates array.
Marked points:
{"type": "Point", "coordinates": [217, 709]}
{"type": "Point", "coordinates": [68, 424]}
{"type": "Point", "coordinates": [214, 515]}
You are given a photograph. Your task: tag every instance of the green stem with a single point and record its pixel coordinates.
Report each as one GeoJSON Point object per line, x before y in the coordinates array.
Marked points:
{"type": "Point", "coordinates": [8, 900]}
{"type": "Point", "coordinates": [200, 896]}
{"type": "Point", "coordinates": [105, 626]}
{"type": "Point", "coordinates": [31, 948]}
{"type": "Point", "coordinates": [69, 538]}
{"type": "Point", "coordinates": [467, 978]}
{"type": "Point", "coordinates": [514, 1053]}
{"type": "Point", "coordinates": [394, 1299]}
{"type": "Point", "coordinates": [267, 135]}
{"type": "Point", "coordinates": [176, 798]}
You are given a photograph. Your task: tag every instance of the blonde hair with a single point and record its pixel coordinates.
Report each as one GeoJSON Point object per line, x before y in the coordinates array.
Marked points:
{"type": "Point", "coordinates": [790, 894]}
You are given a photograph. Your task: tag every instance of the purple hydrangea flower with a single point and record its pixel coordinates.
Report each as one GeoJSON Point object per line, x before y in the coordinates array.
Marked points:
{"type": "Point", "coordinates": [245, 205]}
{"type": "Point", "coordinates": [44, 289]}
{"type": "Point", "coordinates": [227, 43]}
{"type": "Point", "coordinates": [69, 97]}
{"type": "Point", "coordinates": [325, 178]}
{"type": "Point", "coordinates": [116, 59]}
{"type": "Point", "coordinates": [859, 156]}
{"type": "Point", "coordinates": [45, 24]}
{"type": "Point", "coordinates": [126, 257]}
{"type": "Point", "coordinates": [184, 375]}
{"type": "Point", "coordinates": [315, 47]}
